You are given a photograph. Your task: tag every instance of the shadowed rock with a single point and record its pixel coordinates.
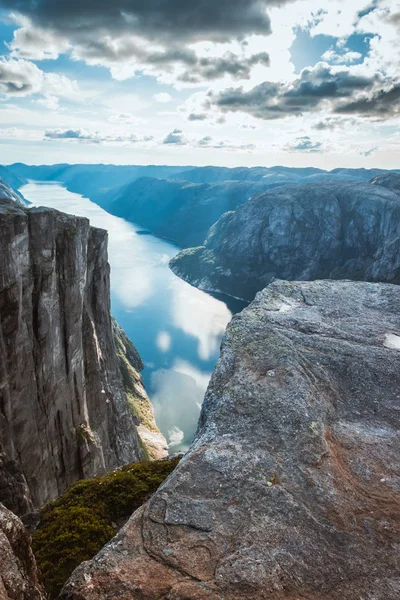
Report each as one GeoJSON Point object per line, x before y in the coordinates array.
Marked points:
{"type": "Point", "coordinates": [291, 488]}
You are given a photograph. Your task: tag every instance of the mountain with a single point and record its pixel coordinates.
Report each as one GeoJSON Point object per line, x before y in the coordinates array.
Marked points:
{"type": "Point", "coordinates": [93, 181]}
{"type": "Point", "coordinates": [71, 396]}
{"type": "Point", "coordinates": [330, 230]}
{"type": "Point", "coordinates": [290, 489]}
{"type": "Point", "coordinates": [178, 210]}
{"type": "Point", "coordinates": [389, 180]}
{"type": "Point", "coordinates": [6, 192]}
{"type": "Point", "coordinates": [11, 179]}
{"type": "Point", "coordinates": [178, 203]}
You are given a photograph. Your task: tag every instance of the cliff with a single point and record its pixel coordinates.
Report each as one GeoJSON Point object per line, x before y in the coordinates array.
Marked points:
{"type": "Point", "coordinates": [290, 489]}
{"type": "Point", "coordinates": [301, 232]}
{"type": "Point", "coordinates": [64, 412]}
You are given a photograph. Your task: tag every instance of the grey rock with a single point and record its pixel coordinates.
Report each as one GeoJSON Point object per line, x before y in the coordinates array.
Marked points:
{"type": "Point", "coordinates": [8, 193]}
{"type": "Point", "coordinates": [19, 578]}
{"type": "Point", "coordinates": [64, 412]}
{"type": "Point", "coordinates": [388, 180]}
{"type": "Point", "coordinates": [291, 489]}
{"type": "Point", "coordinates": [300, 232]}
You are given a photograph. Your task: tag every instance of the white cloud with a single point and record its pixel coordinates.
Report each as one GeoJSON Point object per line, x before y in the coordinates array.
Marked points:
{"type": "Point", "coordinates": [162, 97]}
{"type": "Point", "coordinates": [163, 341]}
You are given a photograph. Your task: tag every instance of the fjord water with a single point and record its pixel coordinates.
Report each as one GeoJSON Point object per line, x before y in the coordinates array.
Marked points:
{"type": "Point", "coordinates": [176, 328]}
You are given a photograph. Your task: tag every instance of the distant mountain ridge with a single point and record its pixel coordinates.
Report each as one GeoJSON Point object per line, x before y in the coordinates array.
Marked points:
{"type": "Point", "coordinates": [176, 202]}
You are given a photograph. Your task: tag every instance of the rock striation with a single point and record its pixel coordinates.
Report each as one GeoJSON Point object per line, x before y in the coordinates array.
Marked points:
{"type": "Point", "coordinates": [301, 232]}
{"type": "Point", "coordinates": [64, 411]}
{"type": "Point", "coordinates": [19, 579]}
{"type": "Point", "coordinates": [291, 488]}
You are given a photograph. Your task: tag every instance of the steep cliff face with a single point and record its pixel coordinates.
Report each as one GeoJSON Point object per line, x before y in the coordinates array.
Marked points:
{"type": "Point", "coordinates": [302, 232]}
{"type": "Point", "coordinates": [291, 488]}
{"type": "Point", "coordinates": [19, 578]}
{"type": "Point", "coordinates": [64, 412]}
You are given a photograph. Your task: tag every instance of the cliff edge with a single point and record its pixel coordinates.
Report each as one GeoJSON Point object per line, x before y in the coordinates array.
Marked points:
{"type": "Point", "coordinates": [291, 487]}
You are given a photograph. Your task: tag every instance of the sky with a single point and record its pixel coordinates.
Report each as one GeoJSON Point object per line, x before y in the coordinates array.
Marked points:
{"type": "Point", "coordinates": [226, 82]}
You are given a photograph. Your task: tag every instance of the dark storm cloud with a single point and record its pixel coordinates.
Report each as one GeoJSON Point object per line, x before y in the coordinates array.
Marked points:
{"type": "Point", "coordinates": [156, 19]}
{"type": "Point", "coordinates": [111, 33]}
{"type": "Point", "coordinates": [338, 91]}
{"type": "Point", "coordinates": [384, 103]}
{"type": "Point", "coordinates": [197, 69]}
{"type": "Point", "coordinates": [214, 68]}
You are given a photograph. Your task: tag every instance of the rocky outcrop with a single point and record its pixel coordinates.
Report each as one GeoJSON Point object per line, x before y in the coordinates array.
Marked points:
{"type": "Point", "coordinates": [301, 232]}
{"type": "Point", "coordinates": [19, 578]}
{"type": "Point", "coordinates": [64, 413]}
{"type": "Point", "coordinates": [291, 487]}
{"type": "Point", "coordinates": [388, 180]}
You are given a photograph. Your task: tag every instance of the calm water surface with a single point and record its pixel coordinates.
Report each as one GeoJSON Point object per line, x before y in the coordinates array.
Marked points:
{"type": "Point", "coordinates": [176, 328]}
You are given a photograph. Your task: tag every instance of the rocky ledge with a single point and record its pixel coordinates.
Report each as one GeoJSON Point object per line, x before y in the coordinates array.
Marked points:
{"type": "Point", "coordinates": [291, 488]}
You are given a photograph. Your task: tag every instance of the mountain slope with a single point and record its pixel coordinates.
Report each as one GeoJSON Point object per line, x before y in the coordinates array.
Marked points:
{"type": "Point", "coordinates": [326, 230]}
{"type": "Point", "coordinates": [178, 210]}
{"type": "Point", "coordinates": [6, 192]}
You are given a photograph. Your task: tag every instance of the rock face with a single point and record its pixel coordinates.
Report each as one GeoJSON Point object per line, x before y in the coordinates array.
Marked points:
{"type": "Point", "coordinates": [64, 413]}
{"type": "Point", "coordinates": [291, 488]}
{"type": "Point", "coordinates": [18, 572]}
{"type": "Point", "coordinates": [388, 180]}
{"type": "Point", "coordinates": [301, 232]}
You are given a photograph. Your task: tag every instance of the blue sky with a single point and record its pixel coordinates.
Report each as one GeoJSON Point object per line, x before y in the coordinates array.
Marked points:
{"type": "Point", "coordinates": [298, 83]}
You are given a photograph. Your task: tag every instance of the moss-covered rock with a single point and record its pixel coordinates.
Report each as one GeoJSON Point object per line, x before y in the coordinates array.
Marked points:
{"type": "Point", "coordinates": [77, 525]}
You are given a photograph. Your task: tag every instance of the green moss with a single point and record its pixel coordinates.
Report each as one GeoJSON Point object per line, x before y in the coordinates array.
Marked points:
{"type": "Point", "coordinates": [77, 525]}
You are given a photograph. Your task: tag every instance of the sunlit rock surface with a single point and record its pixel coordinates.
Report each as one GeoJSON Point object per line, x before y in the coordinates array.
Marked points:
{"type": "Point", "coordinates": [291, 488]}
{"type": "Point", "coordinates": [64, 412]}
{"type": "Point", "coordinates": [300, 232]}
